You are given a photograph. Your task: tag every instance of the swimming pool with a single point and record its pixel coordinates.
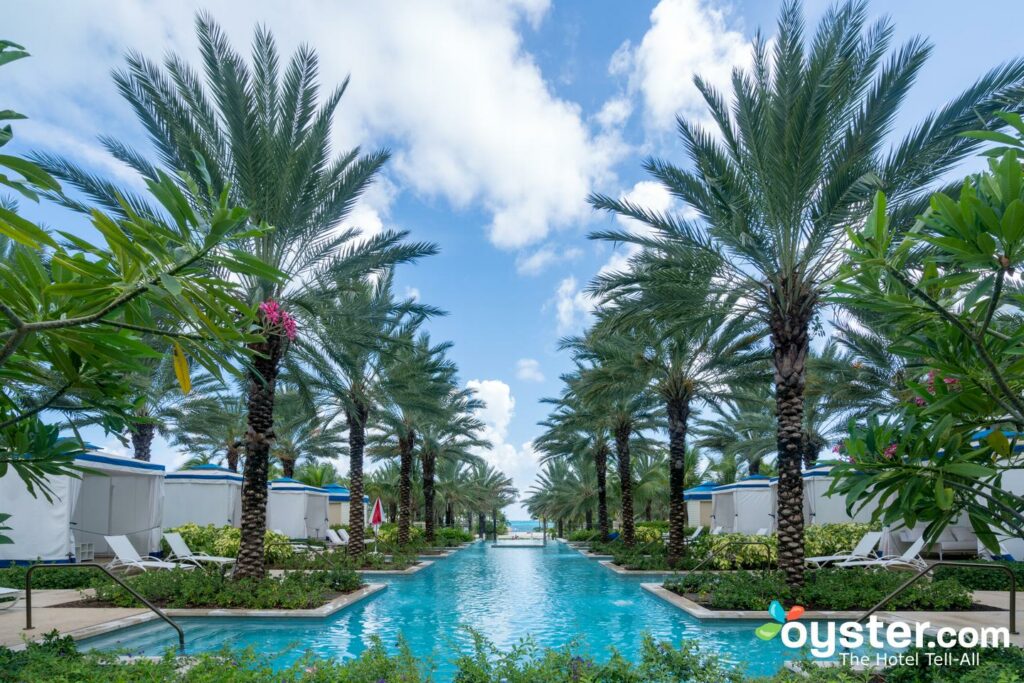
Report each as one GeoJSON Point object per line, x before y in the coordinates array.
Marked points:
{"type": "Point", "coordinates": [552, 593]}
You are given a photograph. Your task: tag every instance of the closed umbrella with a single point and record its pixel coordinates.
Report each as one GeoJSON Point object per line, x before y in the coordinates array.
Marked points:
{"type": "Point", "coordinates": [376, 517]}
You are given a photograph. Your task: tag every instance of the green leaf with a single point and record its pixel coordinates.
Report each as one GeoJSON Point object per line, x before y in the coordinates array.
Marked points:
{"type": "Point", "coordinates": [23, 231]}
{"type": "Point", "coordinates": [998, 442]}
{"type": "Point", "coordinates": [181, 369]}
{"type": "Point", "coordinates": [171, 284]}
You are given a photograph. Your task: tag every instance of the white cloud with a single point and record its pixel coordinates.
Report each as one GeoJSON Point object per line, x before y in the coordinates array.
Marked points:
{"type": "Point", "coordinates": [615, 112]}
{"type": "Point", "coordinates": [519, 463]}
{"type": "Point", "coordinates": [447, 85]}
{"type": "Point", "coordinates": [686, 38]}
{"type": "Point", "coordinates": [528, 370]}
{"type": "Point", "coordinates": [544, 257]}
{"type": "Point", "coordinates": [412, 293]}
{"type": "Point", "coordinates": [573, 307]}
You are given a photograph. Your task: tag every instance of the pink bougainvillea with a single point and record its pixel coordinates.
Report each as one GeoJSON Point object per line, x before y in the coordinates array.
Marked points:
{"type": "Point", "coordinates": [890, 451]}
{"type": "Point", "coordinates": [275, 316]}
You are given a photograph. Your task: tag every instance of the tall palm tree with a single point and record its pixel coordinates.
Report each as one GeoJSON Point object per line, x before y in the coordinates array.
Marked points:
{"type": "Point", "coordinates": [624, 399]}
{"type": "Point", "coordinates": [799, 151]}
{"type": "Point", "coordinates": [355, 329]}
{"type": "Point", "coordinates": [493, 490]}
{"type": "Point", "coordinates": [302, 433]}
{"type": "Point", "coordinates": [384, 482]}
{"type": "Point", "coordinates": [451, 436]}
{"type": "Point", "coordinates": [319, 474]}
{"type": "Point", "coordinates": [418, 381]}
{"type": "Point", "coordinates": [701, 363]}
{"type": "Point", "coordinates": [263, 138]}
{"type": "Point", "coordinates": [576, 430]}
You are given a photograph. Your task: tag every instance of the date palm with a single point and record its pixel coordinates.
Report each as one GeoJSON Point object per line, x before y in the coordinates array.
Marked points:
{"type": "Point", "coordinates": [211, 427]}
{"type": "Point", "coordinates": [262, 137]}
{"type": "Point", "coordinates": [301, 433]}
{"type": "Point", "coordinates": [354, 331]}
{"type": "Point", "coordinates": [577, 431]}
{"type": "Point", "coordinates": [798, 153]}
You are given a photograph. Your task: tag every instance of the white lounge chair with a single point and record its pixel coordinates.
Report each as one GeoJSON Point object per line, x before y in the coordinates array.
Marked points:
{"type": "Point", "coordinates": [717, 531]}
{"type": "Point", "coordinates": [696, 533]}
{"type": "Point", "coordinates": [337, 537]}
{"type": "Point", "coordinates": [763, 531]}
{"type": "Point", "coordinates": [14, 593]}
{"type": "Point", "coordinates": [862, 551]}
{"type": "Point", "coordinates": [180, 552]}
{"type": "Point", "coordinates": [911, 557]}
{"type": "Point", "coordinates": [125, 555]}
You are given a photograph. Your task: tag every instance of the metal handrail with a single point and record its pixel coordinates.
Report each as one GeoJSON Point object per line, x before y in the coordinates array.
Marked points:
{"type": "Point", "coordinates": [711, 555]}
{"type": "Point", "coordinates": [156, 610]}
{"type": "Point", "coordinates": [943, 563]}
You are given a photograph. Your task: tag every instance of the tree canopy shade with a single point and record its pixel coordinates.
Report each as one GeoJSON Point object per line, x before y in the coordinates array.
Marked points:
{"type": "Point", "coordinates": [799, 150]}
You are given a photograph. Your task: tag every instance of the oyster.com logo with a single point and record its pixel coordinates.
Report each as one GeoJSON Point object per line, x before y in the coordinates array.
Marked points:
{"type": "Point", "coordinates": [781, 616]}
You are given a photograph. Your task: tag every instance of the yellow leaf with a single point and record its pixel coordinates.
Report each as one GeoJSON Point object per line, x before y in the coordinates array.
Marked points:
{"type": "Point", "coordinates": [181, 369]}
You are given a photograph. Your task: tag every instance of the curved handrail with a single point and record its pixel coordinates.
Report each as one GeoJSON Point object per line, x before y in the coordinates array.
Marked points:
{"type": "Point", "coordinates": [156, 610]}
{"type": "Point", "coordinates": [711, 555]}
{"type": "Point", "coordinates": [943, 563]}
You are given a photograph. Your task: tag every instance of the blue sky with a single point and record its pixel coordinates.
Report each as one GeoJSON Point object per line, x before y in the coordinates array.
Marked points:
{"type": "Point", "coordinates": [502, 116]}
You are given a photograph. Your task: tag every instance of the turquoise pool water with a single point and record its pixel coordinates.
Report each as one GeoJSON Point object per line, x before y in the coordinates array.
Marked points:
{"type": "Point", "coordinates": [552, 593]}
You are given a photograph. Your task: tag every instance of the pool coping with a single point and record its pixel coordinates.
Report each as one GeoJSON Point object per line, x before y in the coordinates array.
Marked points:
{"type": "Point", "coordinates": [610, 565]}
{"type": "Point", "coordinates": [701, 612]}
{"type": "Point", "coordinates": [325, 610]}
{"type": "Point", "coordinates": [418, 567]}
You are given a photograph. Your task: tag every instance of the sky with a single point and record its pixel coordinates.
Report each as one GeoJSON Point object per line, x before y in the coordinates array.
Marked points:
{"type": "Point", "coordinates": [501, 116]}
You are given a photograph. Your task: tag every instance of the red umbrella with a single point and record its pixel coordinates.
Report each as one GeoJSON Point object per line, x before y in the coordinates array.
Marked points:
{"type": "Point", "coordinates": [377, 516]}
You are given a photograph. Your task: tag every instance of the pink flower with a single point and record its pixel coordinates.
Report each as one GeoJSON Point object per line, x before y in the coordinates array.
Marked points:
{"type": "Point", "coordinates": [289, 325]}
{"type": "Point", "coordinates": [271, 310]}
{"type": "Point", "coordinates": [890, 451]}
{"type": "Point", "coordinates": [951, 381]}
{"type": "Point", "coordinates": [920, 401]}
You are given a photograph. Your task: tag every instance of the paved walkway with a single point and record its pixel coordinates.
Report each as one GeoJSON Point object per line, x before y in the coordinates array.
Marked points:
{"type": "Point", "coordinates": [46, 617]}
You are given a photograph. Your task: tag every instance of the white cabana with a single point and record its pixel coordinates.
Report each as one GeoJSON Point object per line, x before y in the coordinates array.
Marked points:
{"type": "Point", "coordinates": [297, 510]}
{"type": "Point", "coordinates": [206, 494]}
{"type": "Point", "coordinates": [1013, 482]}
{"type": "Point", "coordinates": [698, 505]}
{"type": "Point", "coordinates": [822, 509]}
{"type": "Point", "coordinates": [118, 497]}
{"type": "Point", "coordinates": [742, 507]}
{"type": "Point", "coordinates": [339, 503]}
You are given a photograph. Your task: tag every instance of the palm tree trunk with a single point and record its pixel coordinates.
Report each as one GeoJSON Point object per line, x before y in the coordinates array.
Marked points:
{"type": "Point", "coordinates": [678, 410]}
{"type": "Point", "coordinates": [288, 468]}
{"type": "Point", "coordinates": [601, 461]}
{"type": "Point", "coordinates": [754, 467]}
{"type": "Point", "coordinates": [142, 440]}
{"type": "Point", "coordinates": [405, 449]}
{"type": "Point", "coordinates": [790, 345]}
{"type": "Point", "coordinates": [449, 515]}
{"type": "Point", "coordinates": [481, 524]}
{"type": "Point", "coordinates": [561, 530]}
{"type": "Point", "coordinates": [232, 455]}
{"type": "Point", "coordinates": [589, 516]}
{"type": "Point", "coordinates": [429, 460]}
{"type": "Point", "coordinates": [622, 432]}
{"type": "Point", "coordinates": [262, 380]}
{"type": "Point", "coordinates": [809, 450]}
{"type": "Point", "coordinates": [356, 443]}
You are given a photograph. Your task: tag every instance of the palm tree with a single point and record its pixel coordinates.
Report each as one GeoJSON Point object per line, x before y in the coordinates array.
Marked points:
{"type": "Point", "coordinates": [211, 427]}
{"type": "Point", "coordinates": [800, 150]}
{"type": "Point", "coordinates": [384, 482]}
{"type": "Point", "coordinates": [577, 431]}
{"type": "Point", "coordinates": [451, 436]}
{"type": "Point", "coordinates": [259, 136]}
{"type": "Point", "coordinates": [417, 380]}
{"type": "Point", "coordinates": [320, 474]}
{"type": "Point", "coordinates": [651, 491]}
{"type": "Point", "coordinates": [301, 433]}
{"type": "Point", "coordinates": [355, 329]}
{"type": "Point", "coordinates": [493, 490]}
{"type": "Point", "coordinates": [703, 362]}
{"type": "Point", "coordinates": [622, 397]}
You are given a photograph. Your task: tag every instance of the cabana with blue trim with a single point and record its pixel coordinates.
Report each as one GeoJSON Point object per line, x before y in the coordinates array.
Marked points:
{"type": "Point", "coordinates": [205, 494]}
{"type": "Point", "coordinates": [339, 502]}
{"type": "Point", "coordinates": [119, 496]}
{"type": "Point", "coordinates": [698, 504]}
{"type": "Point", "coordinates": [297, 510]}
{"type": "Point", "coordinates": [742, 507]}
{"type": "Point", "coordinates": [820, 508]}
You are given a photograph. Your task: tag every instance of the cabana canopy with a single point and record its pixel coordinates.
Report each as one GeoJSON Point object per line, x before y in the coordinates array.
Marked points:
{"type": "Point", "coordinates": [338, 504]}
{"type": "Point", "coordinates": [206, 494]}
{"type": "Point", "coordinates": [118, 497]}
{"type": "Point", "coordinates": [297, 510]}
{"type": "Point", "coordinates": [699, 505]}
{"type": "Point", "coordinates": [742, 507]}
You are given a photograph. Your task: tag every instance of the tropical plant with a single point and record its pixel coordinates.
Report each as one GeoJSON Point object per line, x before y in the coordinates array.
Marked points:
{"type": "Point", "coordinates": [945, 289]}
{"type": "Point", "coordinates": [258, 137]}
{"type": "Point", "coordinates": [300, 432]}
{"type": "Point", "coordinates": [211, 427]}
{"type": "Point", "coordinates": [792, 163]}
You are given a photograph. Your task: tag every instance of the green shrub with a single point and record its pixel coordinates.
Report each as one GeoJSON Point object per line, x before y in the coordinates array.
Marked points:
{"type": "Point", "coordinates": [338, 558]}
{"type": "Point", "coordinates": [984, 579]}
{"type": "Point", "coordinates": [833, 539]}
{"type": "Point", "coordinates": [660, 524]}
{"type": "Point", "coordinates": [647, 534]}
{"type": "Point", "coordinates": [828, 589]}
{"type": "Point", "coordinates": [451, 537]}
{"type": "Point", "coordinates": [224, 541]}
{"type": "Point", "coordinates": [584, 535]}
{"type": "Point", "coordinates": [209, 588]}
{"type": "Point", "coordinates": [388, 533]}
{"type": "Point", "coordinates": [14, 577]}
{"type": "Point", "coordinates": [996, 665]}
